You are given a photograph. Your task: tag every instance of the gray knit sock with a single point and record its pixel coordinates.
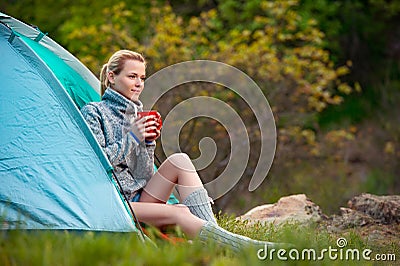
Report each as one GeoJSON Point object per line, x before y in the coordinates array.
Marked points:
{"type": "Point", "coordinates": [199, 203]}
{"type": "Point", "coordinates": [211, 231]}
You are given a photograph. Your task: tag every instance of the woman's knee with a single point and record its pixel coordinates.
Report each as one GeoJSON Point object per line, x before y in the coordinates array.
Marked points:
{"type": "Point", "coordinates": [181, 161]}
{"type": "Point", "coordinates": [179, 156]}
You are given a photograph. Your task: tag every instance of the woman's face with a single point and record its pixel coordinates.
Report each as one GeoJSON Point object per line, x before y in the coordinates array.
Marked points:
{"type": "Point", "coordinates": [130, 81]}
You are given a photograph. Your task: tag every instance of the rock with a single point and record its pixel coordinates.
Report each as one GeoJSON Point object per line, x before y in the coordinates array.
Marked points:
{"type": "Point", "coordinates": [350, 218]}
{"type": "Point", "coordinates": [383, 209]}
{"type": "Point", "coordinates": [294, 208]}
{"type": "Point", "coordinates": [374, 218]}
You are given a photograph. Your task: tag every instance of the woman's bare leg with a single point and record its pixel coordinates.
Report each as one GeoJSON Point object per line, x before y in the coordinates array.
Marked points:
{"type": "Point", "coordinates": [176, 170]}
{"type": "Point", "coordinates": [159, 215]}
{"type": "Point", "coordinates": [179, 171]}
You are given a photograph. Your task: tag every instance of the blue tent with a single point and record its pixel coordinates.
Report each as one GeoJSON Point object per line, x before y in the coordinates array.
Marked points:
{"type": "Point", "coordinates": [53, 173]}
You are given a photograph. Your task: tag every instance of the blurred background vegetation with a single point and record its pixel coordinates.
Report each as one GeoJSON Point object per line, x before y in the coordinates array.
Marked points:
{"type": "Point", "coordinates": [329, 69]}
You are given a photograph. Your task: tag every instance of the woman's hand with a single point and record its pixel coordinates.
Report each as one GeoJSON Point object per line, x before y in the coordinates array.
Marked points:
{"type": "Point", "coordinates": [152, 128]}
{"type": "Point", "coordinates": [137, 128]}
{"type": "Point", "coordinates": [145, 128]}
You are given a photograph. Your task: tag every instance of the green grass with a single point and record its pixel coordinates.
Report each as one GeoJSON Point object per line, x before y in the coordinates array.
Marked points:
{"type": "Point", "coordinates": [89, 248]}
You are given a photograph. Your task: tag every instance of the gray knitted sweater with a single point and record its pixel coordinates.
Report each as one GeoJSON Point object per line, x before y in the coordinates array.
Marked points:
{"type": "Point", "coordinates": [109, 121]}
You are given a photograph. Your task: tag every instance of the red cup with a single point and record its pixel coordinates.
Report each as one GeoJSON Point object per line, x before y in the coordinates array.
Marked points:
{"type": "Point", "coordinates": [154, 113]}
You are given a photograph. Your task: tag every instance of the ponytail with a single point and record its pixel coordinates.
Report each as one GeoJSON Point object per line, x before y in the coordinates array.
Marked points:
{"type": "Point", "coordinates": [103, 79]}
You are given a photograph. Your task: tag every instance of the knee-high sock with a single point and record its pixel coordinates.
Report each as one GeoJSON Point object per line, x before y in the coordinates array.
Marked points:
{"type": "Point", "coordinates": [223, 237]}
{"type": "Point", "coordinates": [199, 203]}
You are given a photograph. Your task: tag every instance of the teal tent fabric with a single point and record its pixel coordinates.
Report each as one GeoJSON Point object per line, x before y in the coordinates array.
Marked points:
{"type": "Point", "coordinates": [53, 174]}
{"type": "Point", "coordinates": [78, 89]}
{"type": "Point", "coordinates": [45, 41]}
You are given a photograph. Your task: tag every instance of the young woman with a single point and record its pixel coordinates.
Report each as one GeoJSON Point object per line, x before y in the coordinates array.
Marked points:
{"type": "Point", "coordinates": [129, 144]}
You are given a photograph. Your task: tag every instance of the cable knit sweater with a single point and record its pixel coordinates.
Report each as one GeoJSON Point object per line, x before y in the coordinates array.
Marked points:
{"type": "Point", "coordinates": [109, 121]}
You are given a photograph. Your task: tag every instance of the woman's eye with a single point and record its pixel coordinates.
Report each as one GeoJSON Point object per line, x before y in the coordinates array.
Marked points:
{"type": "Point", "coordinates": [133, 76]}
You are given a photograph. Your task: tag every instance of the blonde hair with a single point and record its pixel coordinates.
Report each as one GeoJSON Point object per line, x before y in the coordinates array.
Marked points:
{"type": "Point", "coordinates": [115, 64]}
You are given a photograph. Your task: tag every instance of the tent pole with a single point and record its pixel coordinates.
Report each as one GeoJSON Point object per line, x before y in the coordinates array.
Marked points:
{"type": "Point", "coordinates": [158, 160]}
{"type": "Point", "coordinates": [135, 219]}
